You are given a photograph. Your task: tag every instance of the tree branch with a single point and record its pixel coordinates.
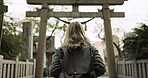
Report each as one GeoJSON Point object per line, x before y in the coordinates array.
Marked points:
{"type": "Point", "coordinates": [52, 32]}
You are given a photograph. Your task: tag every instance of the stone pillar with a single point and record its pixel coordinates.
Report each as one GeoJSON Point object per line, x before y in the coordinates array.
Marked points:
{"type": "Point", "coordinates": [27, 52]}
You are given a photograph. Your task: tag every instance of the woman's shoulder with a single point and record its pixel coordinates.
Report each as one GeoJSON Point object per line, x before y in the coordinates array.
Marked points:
{"type": "Point", "coordinates": [91, 46]}
{"type": "Point", "coordinates": [59, 49]}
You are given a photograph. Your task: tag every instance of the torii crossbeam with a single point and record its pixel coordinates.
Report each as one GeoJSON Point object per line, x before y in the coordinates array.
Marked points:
{"type": "Point", "coordinates": [105, 13]}
{"type": "Point", "coordinates": [75, 14]}
{"type": "Point", "coordinates": [76, 2]}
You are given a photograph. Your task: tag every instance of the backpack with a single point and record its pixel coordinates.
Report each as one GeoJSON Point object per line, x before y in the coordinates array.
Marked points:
{"type": "Point", "coordinates": [64, 74]}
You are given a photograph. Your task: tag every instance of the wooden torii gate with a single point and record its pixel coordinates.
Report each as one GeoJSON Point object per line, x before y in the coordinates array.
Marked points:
{"type": "Point", "coordinates": [3, 9]}
{"type": "Point", "coordinates": [46, 13]}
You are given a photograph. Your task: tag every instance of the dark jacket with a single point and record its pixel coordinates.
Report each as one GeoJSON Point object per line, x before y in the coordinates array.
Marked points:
{"type": "Point", "coordinates": [80, 61]}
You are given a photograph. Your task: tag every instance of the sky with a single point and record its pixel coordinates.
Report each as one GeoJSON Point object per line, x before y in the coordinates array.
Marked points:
{"type": "Point", "coordinates": [133, 8]}
{"type": "Point", "coordinates": [136, 11]}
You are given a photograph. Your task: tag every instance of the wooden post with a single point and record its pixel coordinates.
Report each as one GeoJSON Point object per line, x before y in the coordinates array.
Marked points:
{"type": "Point", "coordinates": [1, 65]}
{"type": "Point", "coordinates": [33, 67]}
{"type": "Point", "coordinates": [124, 68]}
{"type": "Point", "coordinates": [8, 71]}
{"type": "Point", "coordinates": [4, 71]}
{"type": "Point", "coordinates": [12, 71]}
{"type": "Point", "coordinates": [109, 41]}
{"type": "Point", "coordinates": [27, 68]}
{"type": "Point", "coordinates": [147, 68]}
{"type": "Point", "coordinates": [1, 23]}
{"type": "Point", "coordinates": [27, 52]}
{"type": "Point", "coordinates": [42, 40]}
{"type": "Point", "coordinates": [136, 70]}
{"type": "Point", "coordinates": [1, 30]}
{"type": "Point", "coordinates": [16, 68]}
{"type": "Point", "coordinates": [2, 10]}
{"type": "Point", "coordinates": [144, 71]}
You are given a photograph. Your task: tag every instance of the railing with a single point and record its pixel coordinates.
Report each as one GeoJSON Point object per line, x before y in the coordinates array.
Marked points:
{"type": "Point", "coordinates": [16, 68]}
{"type": "Point", "coordinates": [132, 69]}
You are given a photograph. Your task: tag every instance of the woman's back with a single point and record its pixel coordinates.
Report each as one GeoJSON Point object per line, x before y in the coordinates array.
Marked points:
{"type": "Point", "coordinates": [76, 58]}
{"type": "Point", "coordinates": [81, 63]}
{"type": "Point", "coordinates": [77, 61]}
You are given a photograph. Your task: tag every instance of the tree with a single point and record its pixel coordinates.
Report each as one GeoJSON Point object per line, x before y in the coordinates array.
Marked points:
{"type": "Point", "coordinates": [136, 43]}
{"type": "Point", "coordinates": [116, 31]}
{"type": "Point", "coordinates": [11, 39]}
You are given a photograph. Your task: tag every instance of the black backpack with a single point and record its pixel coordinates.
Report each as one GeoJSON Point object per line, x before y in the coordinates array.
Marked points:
{"type": "Point", "coordinates": [64, 74]}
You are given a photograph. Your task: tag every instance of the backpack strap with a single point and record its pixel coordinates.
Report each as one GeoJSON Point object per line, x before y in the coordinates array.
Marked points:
{"type": "Point", "coordinates": [61, 53]}
{"type": "Point", "coordinates": [92, 57]}
{"type": "Point", "coordinates": [91, 51]}
{"type": "Point", "coordinates": [63, 73]}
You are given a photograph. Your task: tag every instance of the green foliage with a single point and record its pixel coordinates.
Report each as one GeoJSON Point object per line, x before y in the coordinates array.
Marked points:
{"type": "Point", "coordinates": [11, 39]}
{"type": "Point", "coordinates": [136, 43]}
{"type": "Point", "coordinates": [11, 46]}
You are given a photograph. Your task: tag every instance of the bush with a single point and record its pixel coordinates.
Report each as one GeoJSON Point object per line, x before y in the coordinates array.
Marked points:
{"type": "Point", "coordinates": [11, 46]}
{"type": "Point", "coordinates": [11, 39]}
{"type": "Point", "coordinates": [136, 43]}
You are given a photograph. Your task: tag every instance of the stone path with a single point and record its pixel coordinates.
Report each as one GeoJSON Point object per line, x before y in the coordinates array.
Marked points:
{"type": "Point", "coordinates": [103, 77]}
{"type": "Point", "coordinates": [98, 77]}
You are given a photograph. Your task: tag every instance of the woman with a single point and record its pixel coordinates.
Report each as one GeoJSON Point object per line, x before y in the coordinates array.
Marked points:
{"type": "Point", "coordinates": [76, 58]}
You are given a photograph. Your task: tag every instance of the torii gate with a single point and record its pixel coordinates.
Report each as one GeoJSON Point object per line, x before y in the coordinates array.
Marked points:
{"type": "Point", "coordinates": [105, 13]}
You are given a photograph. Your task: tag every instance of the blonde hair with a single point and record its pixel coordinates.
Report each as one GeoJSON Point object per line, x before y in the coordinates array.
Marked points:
{"type": "Point", "coordinates": [75, 36]}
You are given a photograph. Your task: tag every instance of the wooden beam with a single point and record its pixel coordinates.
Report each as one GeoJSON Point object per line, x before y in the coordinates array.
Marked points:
{"type": "Point", "coordinates": [78, 2]}
{"type": "Point", "coordinates": [74, 14]}
{"type": "Point", "coordinates": [3, 8]}
{"type": "Point", "coordinates": [32, 14]}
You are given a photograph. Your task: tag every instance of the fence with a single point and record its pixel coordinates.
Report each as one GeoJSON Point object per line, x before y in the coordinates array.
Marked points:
{"type": "Point", "coordinates": [132, 69]}
{"type": "Point", "coordinates": [16, 68]}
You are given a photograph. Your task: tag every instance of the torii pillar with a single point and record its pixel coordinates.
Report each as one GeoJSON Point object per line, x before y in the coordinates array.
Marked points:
{"type": "Point", "coordinates": [42, 41]}
{"type": "Point", "coordinates": [109, 41]}
{"type": "Point", "coordinates": [2, 10]}
{"type": "Point", "coordinates": [106, 14]}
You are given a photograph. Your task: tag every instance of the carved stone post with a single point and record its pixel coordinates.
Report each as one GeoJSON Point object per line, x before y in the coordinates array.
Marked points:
{"type": "Point", "coordinates": [27, 52]}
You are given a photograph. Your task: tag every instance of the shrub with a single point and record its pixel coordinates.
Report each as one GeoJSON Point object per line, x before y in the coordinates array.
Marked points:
{"type": "Point", "coordinates": [136, 43]}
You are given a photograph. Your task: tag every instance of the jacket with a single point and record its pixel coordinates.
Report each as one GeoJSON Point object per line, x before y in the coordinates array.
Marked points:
{"type": "Point", "coordinates": [85, 60]}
